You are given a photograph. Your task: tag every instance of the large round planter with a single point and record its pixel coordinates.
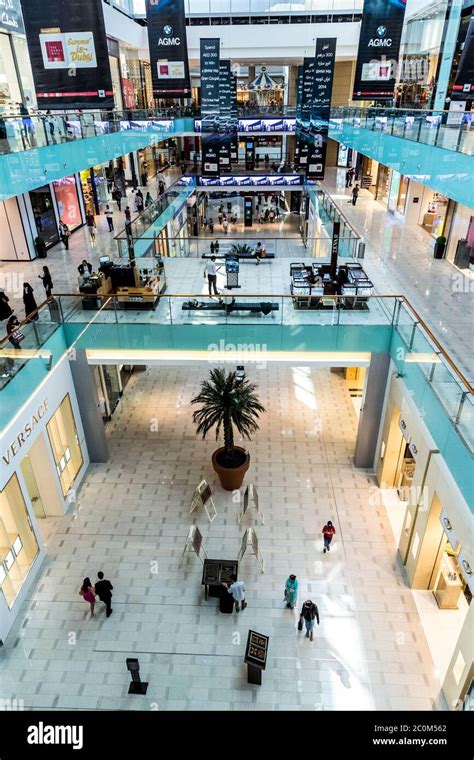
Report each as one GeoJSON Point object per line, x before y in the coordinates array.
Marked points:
{"type": "Point", "coordinates": [231, 477]}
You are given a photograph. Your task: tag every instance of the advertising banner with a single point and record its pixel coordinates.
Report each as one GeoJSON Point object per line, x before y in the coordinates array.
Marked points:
{"type": "Point", "coordinates": [68, 52]}
{"type": "Point", "coordinates": [379, 46]}
{"type": "Point", "coordinates": [234, 140]}
{"type": "Point", "coordinates": [323, 76]}
{"type": "Point", "coordinates": [210, 105]}
{"type": "Point", "coordinates": [168, 48]}
{"type": "Point", "coordinates": [11, 19]}
{"type": "Point", "coordinates": [65, 190]}
{"type": "Point", "coordinates": [303, 122]}
{"type": "Point", "coordinates": [225, 114]}
{"type": "Point", "coordinates": [463, 88]}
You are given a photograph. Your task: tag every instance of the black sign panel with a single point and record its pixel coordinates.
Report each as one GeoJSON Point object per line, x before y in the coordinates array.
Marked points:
{"type": "Point", "coordinates": [379, 45]}
{"type": "Point", "coordinates": [68, 53]}
{"type": "Point", "coordinates": [210, 106]}
{"type": "Point", "coordinates": [11, 19]}
{"type": "Point", "coordinates": [225, 114]}
{"type": "Point", "coordinates": [303, 123]}
{"type": "Point", "coordinates": [234, 140]}
{"type": "Point", "coordinates": [168, 47]}
{"type": "Point", "coordinates": [321, 106]}
{"type": "Point", "coordinates": [463, 88]}
{"type": "Point", "coordinates": [256, 651]}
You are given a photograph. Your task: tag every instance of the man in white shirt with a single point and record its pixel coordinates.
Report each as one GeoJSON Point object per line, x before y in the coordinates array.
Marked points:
{"type": "Point", "coordinates": [210, 271]}
{"type": "Point", "coordinates": [110, 217]}
{"type": "Point", "coordinates": [237, 589]}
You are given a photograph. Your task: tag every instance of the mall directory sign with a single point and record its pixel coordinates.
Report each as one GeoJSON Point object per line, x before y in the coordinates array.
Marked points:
{"type": "Point", "coordinates": [379, 46]}
{"type": "Point", "coordinates": [168, 48]}
{"type": "Point", "coordinates": [68, 52]}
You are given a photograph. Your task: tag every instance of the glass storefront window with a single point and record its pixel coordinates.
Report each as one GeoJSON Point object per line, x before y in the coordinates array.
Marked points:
{"type": "Point", "coordinates": [10, 93]}
{"type": "Point", "coordinates": [65, 444]}
{"type": "Point", "coordinates": [43, 211]}
{"type": "Point", "coordinates": [18, 544]}
{"type": "Point", "coordinates": [22, 56]}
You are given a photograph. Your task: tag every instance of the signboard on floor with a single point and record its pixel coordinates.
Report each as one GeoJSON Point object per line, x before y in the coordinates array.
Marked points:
{"type": "Point", "coordinates": [68, 53]}
{"type": "Point", "coordinates": [379, 46]}
{"type": "Point", "coordinates": [250, 541]}
{"type": "Point", "coordinates": [194, 544]}
{"type": "Point", "coordinates": [203, 498]}
{"type": "Point", "coordinates": [168, 48]}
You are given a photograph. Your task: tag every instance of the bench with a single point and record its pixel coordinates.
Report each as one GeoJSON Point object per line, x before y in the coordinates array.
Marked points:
{"type": "Point", "coordinates": [264, 307]}
{"type": "Point", "coordinates": [244, 256]}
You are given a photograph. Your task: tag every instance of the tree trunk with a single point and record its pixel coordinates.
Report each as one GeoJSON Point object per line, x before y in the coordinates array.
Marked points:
{"type": "Point", "coordinates": [228, 434]}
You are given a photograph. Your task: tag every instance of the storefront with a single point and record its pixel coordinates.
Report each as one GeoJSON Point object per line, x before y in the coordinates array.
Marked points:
{"type": "Point", "coordinates": [16, 78]}
{"type": "Point", "coordinates": [69, 206]}
{"type": "Point", "coordinates": [114, 62]}
{"type": "Point", "coordinates": [44, 215]}
{"type": "Point", "coordinates": [384, 178]}
{"type": "Point", "coordinates": [434, 208]}
{"type": "Point", "coordinates": [397, 196]}
{"type": "Point", "coordinates": [44, 459]}
{"type": "Point", "coordinates": [94, 187]}
{"type": "Point", "coordinates": [460, 238]}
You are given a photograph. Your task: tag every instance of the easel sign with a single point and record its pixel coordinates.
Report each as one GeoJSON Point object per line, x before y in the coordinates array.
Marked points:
{"type": "Point", "coordinates": [194, 544]}
{"type": "Point", "coordinates": [250, 540]}
{"type": "Point", "coordinates": [251, 496]}
{"type": "Point", "coordinates": [203, 498]}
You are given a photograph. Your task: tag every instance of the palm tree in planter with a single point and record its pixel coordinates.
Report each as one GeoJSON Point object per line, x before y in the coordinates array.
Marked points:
{"type": "Point", "coordinates": [227, 401]}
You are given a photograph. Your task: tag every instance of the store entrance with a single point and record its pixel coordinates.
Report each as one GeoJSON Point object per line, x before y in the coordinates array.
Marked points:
{"type": "Point", "coordinates": [32, 488]}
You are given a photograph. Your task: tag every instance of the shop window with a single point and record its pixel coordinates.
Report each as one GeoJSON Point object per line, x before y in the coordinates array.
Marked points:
{"type": "Point", "coordinates": [65, 444]}
{"type": "Point", "coordinates": [18, 544]}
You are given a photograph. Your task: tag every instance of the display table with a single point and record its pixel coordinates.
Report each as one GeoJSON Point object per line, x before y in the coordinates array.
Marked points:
{"type": "Point", "coordinates": [449, 587]}
{"type": "Point", "coordinates": [216, 572]}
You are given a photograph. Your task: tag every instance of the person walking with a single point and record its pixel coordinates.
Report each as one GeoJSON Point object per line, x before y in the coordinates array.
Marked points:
{"type": "Point", "coordinates": [210, 272]}
{"type": "Point", "coordinates": [211, 226]}
{"type": "Point", "coordinates": [213, 248]}
{"type": "Point", "coordinates": [103, 589]}
{"type": "Point", "coordinates": [5, 308]}
{"type": "Point", "coordinates": [14, 332]}
{"type": "Point", "coordinates": [308, 613]}
{"type": "Point", "coordinates": [148, 199]}
{"type": "Point", "coordinates": [90, 221]}
{"type": "Point", "coordinates": [40, 245]}
{"type": "Point", "coordinates": [328, 532]}
{"type": "Point", "coordinates": [87, 593]}
{"type": "Point", "coordinates": [139, 203]}
{"type": "Point", "coordinates": [29, 302]}
{"type": "Point", "coordinates": [225, 226]}
{"type": "Point", "coordinates": [109, 214]}
{"type": "Point", "coordinates": [161, 187]}
{"type": "Point", "coordinates": [117, 196]}
{"type": "Point", "coordinates": [216, 248]}
{"type": "Point", "coordinates": [348, 178]}
{"type": "Point", "coordinates": [291, 591]}
{"type": "Point", "coordinates": [64, 234]}
{"type": "Point", "coordinates": [355, 194]}
{"type": "Point", "coordinates": [237, 589]}
{"type": "Point", "coordinates": [47, 281]}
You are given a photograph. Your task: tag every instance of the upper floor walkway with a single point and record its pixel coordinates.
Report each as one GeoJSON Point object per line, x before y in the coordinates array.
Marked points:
{"type": "Point", "coordinates": [436, 148]}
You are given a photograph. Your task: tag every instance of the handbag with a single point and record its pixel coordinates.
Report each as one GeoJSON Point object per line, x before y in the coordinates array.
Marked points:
{"type": "Point", "coordinates": [300, 624]}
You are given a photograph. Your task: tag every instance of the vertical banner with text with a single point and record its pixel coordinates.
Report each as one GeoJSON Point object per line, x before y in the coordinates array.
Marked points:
{"type": "Point", "coordinates": [299, 97]}
{"type": "Point", "coordinates": [303, 124]}
{"type": "Point", "coordinates": [234, 109]}
{"type": "Point", "coordinates": [225, 115]}
{"type": "Point", "coordinates": [67, 45]}
{"type": "Point", "coordinates": [379, 47]}
{"type": "Point", "coordinates": [168, 48]}
{"type": "Point", "coordinates": [210, 105]}
{"type": "Point", "coordinates": [321, 106]}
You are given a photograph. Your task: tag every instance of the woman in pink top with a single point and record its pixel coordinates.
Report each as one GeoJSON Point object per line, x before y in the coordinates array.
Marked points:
{"type": "Point", "coordinates": [87, 593]}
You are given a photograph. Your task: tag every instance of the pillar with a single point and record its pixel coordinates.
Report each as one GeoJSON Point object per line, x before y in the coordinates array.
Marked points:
{"type": "Point", "coordinates": [371, 412]}
{"type": "Point", "coordinates": [88, 402]}
{"type": "Point", "coordinates": [448, 48]}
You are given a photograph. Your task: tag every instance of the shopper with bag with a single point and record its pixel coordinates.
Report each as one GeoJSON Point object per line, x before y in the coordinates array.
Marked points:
{"type": "Point", "coordinates": [291, 591]}
{"type": "Point", "coordinates": [308, 613]}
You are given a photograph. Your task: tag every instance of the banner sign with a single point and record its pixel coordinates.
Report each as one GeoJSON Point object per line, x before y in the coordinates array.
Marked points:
{"type": "Point", "coordinates": [168, 47]}
{"type": "Point", "coordinates": [234, 108]}
{"type": "Point", "coordinates": [303, 123]}
{"type": "Point", "coordinates": [225, 114]}
{"type": "Point", "coordinates": [321, 106]}
{"type": "Point", "coordinates": [287, 180]}
{"type": "Point", "coordinates": [210, 105]}
{"type": "Point", "coordinates": [11, 19]}
{"type": "Point", "coordinates": [463, 88]}
{"type": "Point", "coordinates": [259, 125]}
{"type": "Point", "coordinates": [379, 46]}
{"type": "Point", "coordinates": [68, 53]}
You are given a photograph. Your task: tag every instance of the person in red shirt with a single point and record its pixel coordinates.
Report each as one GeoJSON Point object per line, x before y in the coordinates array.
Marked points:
{"type": "Point", "coordinates": [328, 532]}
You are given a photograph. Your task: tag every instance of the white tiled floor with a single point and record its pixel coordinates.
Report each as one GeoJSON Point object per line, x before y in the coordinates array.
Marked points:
{"type": "Point", "coordinates": [370, 651]}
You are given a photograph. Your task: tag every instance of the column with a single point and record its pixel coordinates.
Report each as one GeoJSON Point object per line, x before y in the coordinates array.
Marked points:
{"type": "Point", "coordinates": [88, 402]}
{"type": "Point", "coordinates": [448, 47]}
{"type": "Point", "coordinates": [371, 412]}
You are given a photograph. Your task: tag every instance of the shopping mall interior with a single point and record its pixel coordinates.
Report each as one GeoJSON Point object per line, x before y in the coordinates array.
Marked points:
{"type": "Point", "coordinates": [236, 303]}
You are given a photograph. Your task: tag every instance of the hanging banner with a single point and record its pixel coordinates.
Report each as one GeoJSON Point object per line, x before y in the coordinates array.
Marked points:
{"type": "Point", "coordinates": [234, 109]}
{"type": "Point", "coordinates": [463, 88]}
{"type": "Point", "coordinates": [303, 123]}
{"type": "Point", "coordinates": [210, 106]}
{"type": "Point", "coordinates": [225, 114]}
{"type": "Point", "coordinates": [299, 96]}
{"type": "Point", "coordinates": [379, 46]}
{"type": "Point", "coordinates": [323, 77]}
{"type": "Point", "coordinates": [68, 53]}
{"type": "Point", "coordinates": [168, 48]}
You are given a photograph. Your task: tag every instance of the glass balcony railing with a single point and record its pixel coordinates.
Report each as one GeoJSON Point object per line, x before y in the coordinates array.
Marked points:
{"type": "Point", "coordinates": [443, 129]}
{"type": "Point", "coordinates": [269, 7]}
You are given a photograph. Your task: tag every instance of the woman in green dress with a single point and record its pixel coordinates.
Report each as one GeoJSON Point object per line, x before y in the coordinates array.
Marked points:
{"type": "Point", "coordinates": [291, 591]}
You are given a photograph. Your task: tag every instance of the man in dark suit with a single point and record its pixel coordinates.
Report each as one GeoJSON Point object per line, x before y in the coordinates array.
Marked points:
{"type": "Point", "coordinates": [103, 589]}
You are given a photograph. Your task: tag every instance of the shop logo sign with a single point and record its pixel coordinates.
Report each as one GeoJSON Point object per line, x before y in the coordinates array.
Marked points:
{"type": "Point", "coordinates": [168, 39]}
{"type": "Point", "coordinates": [380, 40]}
{"type": "Point", "coordinates": [45, 734]}
{"type": "Point", "coordinates": [25, 432]}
